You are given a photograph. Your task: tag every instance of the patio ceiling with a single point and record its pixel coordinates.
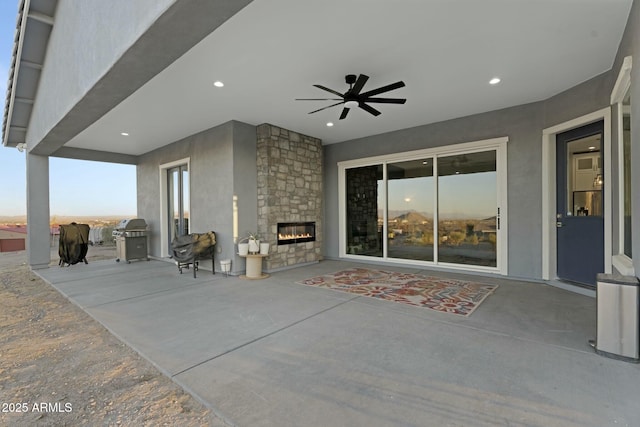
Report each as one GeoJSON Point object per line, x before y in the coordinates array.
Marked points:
{"type": "Point", "coordinates": [273, 51]}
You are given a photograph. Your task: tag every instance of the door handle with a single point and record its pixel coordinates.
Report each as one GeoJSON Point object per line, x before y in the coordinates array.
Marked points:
{"type": "Point", "coordinates": [559, 224]}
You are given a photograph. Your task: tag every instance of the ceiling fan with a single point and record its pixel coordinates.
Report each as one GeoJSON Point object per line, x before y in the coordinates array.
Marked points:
{"type": "Point", "coordinates": [353, 97]}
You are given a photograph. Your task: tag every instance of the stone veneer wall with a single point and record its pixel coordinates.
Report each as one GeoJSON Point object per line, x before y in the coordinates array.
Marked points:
{"type": "Point", "coordinates": [289, 190]}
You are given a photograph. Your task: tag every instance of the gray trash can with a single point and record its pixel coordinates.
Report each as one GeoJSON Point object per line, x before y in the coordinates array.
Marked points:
{"type": "Point", "coordinates": [618, 317]}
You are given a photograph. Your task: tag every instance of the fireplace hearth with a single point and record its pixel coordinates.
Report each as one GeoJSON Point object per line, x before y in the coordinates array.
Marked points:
{"type": "Point", "coordinates": [296, 232]}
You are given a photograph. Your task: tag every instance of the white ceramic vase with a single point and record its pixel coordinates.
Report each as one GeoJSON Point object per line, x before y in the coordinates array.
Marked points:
{"type": "Point", "coordinates": [243, 249]}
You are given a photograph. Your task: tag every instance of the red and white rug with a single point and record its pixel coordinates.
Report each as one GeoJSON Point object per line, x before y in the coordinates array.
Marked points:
{"type": "Point", "coordinates": [446, 295]}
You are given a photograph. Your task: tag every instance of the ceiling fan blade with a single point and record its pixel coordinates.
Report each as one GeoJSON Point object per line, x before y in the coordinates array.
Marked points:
{"type": "Point", "coordinates": [329, 90]}
{"type": "Point", "coordinates": [385, 100]}
{"type": "Point", "coordinates": [324, 108]}
{"type": "Point", "coordinates": [344, 113]}
{"type": "Point", "coordinates": [369, 109]}
{"type": "Point", "coordinates": [318, 99]}
{"type": "Point", "coordinates": [387, 88]}
{"type": "Point", "coordinates": [359, 84]}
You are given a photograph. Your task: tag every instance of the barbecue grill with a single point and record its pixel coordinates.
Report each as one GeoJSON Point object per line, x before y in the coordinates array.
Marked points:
{"type": "Point", "coordinates": [131, 240]}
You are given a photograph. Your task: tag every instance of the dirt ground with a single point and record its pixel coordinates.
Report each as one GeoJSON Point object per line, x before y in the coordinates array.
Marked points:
{"type": "Point", "coordinates": [60, 367]}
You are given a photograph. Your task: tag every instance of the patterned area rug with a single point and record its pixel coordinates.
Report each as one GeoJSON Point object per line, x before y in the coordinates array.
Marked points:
{"type": "Point", "coordinates": [437, 293]}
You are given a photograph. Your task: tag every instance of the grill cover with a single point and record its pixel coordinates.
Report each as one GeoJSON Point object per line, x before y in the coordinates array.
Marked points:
{"type": "Point", "coordinates": [73, 244]}
{"type": "Point", "coordinates": [191, 246]}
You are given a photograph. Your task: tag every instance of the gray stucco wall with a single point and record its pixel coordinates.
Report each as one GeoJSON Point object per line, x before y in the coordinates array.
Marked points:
{"type": "Point", "coordinates": [522, 124]}
{"type": "Point", "coordinates": [630, 45]}
{"type": "Point", "coordinates": [245, 184]}
{"type": "Point", "coordinates": [80, 54]}
{"type": "Point", "coordinates": [100, 52]}
{"type": "Point", "coordinates": [222, 164]}
{"type": "Point", "coordinates": [210, 153]}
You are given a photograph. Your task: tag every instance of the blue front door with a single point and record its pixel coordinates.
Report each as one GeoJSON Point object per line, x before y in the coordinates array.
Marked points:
{"type": "Point", "coordinates": [580, 209]}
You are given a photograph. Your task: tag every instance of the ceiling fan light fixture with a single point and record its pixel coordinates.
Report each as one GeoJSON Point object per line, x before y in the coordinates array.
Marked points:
{"type": "Point", "coordinates": [351, 104]}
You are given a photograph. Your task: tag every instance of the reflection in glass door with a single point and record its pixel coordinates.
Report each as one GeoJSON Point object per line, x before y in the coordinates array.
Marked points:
{"type": "Point", "coordinates": [178, 201]}
{"type": "Point", "coordinates": [467, 209]}
{"type": "Point", "coordinates": [435, 206]}
{"type": "Point", "coordinates": [364, 192]}
{"type": "Point", "coordinates": [410, 209]}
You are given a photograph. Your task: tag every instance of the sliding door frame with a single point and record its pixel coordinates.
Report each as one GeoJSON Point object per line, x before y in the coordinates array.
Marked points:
{"type": "Point", "coordinates": [497, 144]}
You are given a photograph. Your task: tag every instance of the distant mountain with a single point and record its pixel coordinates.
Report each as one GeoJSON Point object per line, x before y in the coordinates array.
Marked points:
{"type": "Point", "coordinates": [66, 219]}
{"type": "Point", "coordinates": [412, 217]}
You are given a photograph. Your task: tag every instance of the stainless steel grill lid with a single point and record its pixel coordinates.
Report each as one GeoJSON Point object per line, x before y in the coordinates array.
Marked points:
{"type": "Point", "coordinates": [132, 224]}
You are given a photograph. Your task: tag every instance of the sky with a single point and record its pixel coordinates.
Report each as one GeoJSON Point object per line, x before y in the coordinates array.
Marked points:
{"type": "Point", "coordinates": [460, 196]}
{"type": "Point", "coordinates": [76, 187]}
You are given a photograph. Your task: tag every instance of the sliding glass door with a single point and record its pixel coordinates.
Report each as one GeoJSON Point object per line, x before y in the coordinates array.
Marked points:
{"type": "Point", "coordinates": [467, 209]}
{"type": "Point", "coordinates": [364, 194]}
{"type": "Point", "coordinates": [410, 209]}
{"type": "Point", "coordinates": [433, 207]}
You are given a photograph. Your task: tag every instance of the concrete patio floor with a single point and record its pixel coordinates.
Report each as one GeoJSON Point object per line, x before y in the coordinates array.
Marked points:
{"type": "Point", "coordinates": [275, 353]}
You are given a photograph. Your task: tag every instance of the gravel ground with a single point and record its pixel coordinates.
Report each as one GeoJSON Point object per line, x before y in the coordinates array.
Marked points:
{"type": "Point", "coordinates": [60, 367]}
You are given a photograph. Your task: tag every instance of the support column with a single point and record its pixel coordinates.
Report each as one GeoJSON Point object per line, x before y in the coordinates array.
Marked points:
{"type": "Point", "coordinates": [38, 230]}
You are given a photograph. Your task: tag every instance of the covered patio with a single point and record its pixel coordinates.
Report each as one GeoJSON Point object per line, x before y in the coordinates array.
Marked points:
{"type": "Point", "coordinates": [274, 352]}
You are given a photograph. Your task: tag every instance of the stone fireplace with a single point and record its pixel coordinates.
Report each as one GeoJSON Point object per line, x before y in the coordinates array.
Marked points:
{"type": "Point", "coordinates": [289, 192]}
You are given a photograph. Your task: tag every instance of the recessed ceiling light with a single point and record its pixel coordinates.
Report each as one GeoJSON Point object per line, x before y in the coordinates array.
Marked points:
{"type": "Point", "coordinates": [124, 134]}
{"type": "Point", "coordinates": [330, 124]}
{"type": "Point", "coordinates": [494, 81]}
{"type": "Point", "coordinates": [218, 83]}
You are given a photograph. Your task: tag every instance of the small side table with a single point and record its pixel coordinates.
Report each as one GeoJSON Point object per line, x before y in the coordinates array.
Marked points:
{"type": "Point", "coordinates": [254, 267]}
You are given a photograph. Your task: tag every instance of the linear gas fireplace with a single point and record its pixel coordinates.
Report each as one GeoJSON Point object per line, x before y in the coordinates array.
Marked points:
{"type": "Point", "coordinates": [296, 232]}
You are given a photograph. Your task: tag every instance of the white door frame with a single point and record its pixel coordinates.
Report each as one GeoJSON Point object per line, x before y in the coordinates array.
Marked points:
{"type": "Point", "coordinates": [164, 210]}
{"type": "Point", "coordinates": [498, 144]}
{"type": "Point", "coordinates": [549, 237]}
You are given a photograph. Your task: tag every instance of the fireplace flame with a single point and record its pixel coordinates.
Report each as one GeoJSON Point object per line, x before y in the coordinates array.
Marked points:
{"type": "Point", "coordinates": [294, 236]}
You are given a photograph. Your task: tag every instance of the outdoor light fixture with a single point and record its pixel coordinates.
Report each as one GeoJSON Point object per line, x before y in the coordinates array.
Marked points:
{"type": "Point", "coordinates": [21, 147]}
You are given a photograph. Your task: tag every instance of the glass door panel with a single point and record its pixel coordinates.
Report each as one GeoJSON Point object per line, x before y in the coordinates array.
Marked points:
{"type": "Point", "coordinates": [186, 202]}
{"type": "Point", "coordinates": [364, 193]}
{"type": "Point", "coordinates": [467, 208]}
{"type": "Point", "coordinates": [410, 202]}
{"type": "Point", "coordinates": [626, 153]}
{"type": "Point", "coordinates": [178, 201]}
